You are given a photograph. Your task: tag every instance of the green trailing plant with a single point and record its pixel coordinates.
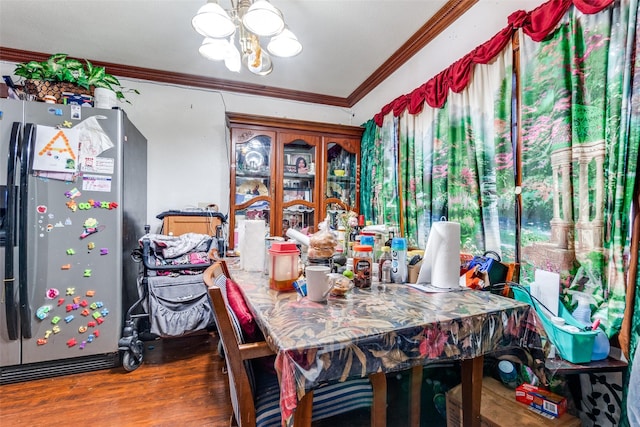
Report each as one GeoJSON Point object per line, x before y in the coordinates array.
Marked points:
{"type": "Point", "coordinates": [61, 68]}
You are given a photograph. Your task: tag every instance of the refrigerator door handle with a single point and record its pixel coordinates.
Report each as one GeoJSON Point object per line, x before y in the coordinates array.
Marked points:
{"type": "Point", "coordinates": [11, 304]}
{"type": "Point", "coordinates": [26, 152]}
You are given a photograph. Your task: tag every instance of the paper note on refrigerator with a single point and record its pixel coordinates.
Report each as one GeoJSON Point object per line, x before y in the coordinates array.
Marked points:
{"type": "Point", "coordinates": [96, 183]}
{"type": "Point", "coordinates": [546, 289]}
{"type": "Point", "coordinates": [56, 150]}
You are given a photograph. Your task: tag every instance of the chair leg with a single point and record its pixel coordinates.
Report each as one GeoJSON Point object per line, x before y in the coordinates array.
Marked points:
{"type": "Point", "coordinates": [379, 407]}
{"type": "Point", "coordinates": [304, 409]}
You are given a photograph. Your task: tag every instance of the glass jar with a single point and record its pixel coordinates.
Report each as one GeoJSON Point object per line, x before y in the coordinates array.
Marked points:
{"type": "Point", "coordinates": [362, 269]}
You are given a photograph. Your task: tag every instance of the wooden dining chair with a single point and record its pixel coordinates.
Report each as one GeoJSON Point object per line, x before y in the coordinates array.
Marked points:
{"type": "Point", "coordinates": [255, 393]}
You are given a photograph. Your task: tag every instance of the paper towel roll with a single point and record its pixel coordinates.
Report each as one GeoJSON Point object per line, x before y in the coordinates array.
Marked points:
{"type": "Point", "coordinates": [253, 246]}
{"type": "Point", "coordinates": [441, 263]}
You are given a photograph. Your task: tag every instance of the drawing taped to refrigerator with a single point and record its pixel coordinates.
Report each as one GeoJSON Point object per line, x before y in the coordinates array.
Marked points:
{"type": "Point", "coordinates": [74, 202]}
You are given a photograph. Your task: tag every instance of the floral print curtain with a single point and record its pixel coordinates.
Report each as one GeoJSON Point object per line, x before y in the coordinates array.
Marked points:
{"type": "Point", "coordinates": [379, 188]}
{"type": "Point", "coordinates": [457, 162]}
{"type": "Point", "coordinates": [579, 118]}
{"type": "Point", "coordinates": [368, 156]}
{"type": "Point", "coordinates": [578, 165]}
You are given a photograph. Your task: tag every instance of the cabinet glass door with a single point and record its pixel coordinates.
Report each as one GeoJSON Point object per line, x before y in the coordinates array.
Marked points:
{"type": "Point", "coordinates": [340, 187]}
{"type": "Point", "coordinates": [299, 183]}
{"type": "Point", "coordinates": [253, 178]}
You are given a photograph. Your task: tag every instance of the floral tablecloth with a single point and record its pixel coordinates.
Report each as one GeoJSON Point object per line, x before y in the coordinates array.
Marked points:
{"type": "Point", "coordinates": [382, 329]}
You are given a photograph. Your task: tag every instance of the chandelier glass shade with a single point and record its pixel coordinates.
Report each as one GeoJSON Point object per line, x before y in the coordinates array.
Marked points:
{"type": "Point", "coordinates": [249, 20]}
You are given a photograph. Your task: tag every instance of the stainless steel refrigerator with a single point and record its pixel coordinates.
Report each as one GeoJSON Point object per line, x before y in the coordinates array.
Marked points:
{"type": "Point", "coordinates": [73, 186]}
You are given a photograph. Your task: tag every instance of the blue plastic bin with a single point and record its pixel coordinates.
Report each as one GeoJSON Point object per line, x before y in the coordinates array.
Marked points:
{"type": "Point", "coordinates": [576, 347]}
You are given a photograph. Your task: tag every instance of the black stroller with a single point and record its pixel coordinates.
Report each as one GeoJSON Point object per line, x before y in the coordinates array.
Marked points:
{"type": "Point", "coordinates": [173, 299]}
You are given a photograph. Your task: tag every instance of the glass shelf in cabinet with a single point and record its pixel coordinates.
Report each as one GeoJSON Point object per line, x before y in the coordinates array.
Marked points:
{"type": "Point", "coordinates": [261, 174]}
{"type": "Point", "coordinates": [299, 176]}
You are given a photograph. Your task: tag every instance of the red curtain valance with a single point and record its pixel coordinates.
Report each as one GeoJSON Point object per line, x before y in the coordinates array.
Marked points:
{"type": "Point", "coordinates": [537, 24]}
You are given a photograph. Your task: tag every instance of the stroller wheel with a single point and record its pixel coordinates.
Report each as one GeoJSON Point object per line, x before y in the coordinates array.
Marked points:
{"type": "Point", "coordinates": [130, 362]}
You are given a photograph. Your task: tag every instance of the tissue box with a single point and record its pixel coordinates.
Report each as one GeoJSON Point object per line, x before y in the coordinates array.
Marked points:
{"type": "Point", "coordinates": [541, 399]}
{"type": "Point", "coordinates": [498, 408]}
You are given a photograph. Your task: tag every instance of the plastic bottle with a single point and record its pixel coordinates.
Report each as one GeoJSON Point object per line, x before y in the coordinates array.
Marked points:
{"type": "Point", "coordinates": [384, 265]}
{"type": "Point", "coordinates": [367, 240]}
{"type": "Point", "coordinates": [349, 264]}
{"type": "Point", "coordinates": [399, 260]}
{"type": "Point", "coordinates": [582, 314]}
{"type": "Point", "coordinates": [601, 346]}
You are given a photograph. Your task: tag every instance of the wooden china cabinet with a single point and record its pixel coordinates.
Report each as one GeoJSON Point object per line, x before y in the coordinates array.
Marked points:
{"type": "Point", "coordinates": [291, 173]}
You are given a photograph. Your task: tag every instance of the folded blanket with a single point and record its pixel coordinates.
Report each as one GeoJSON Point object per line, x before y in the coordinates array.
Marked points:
{"type": "Point", "coordinates": [175, 246]}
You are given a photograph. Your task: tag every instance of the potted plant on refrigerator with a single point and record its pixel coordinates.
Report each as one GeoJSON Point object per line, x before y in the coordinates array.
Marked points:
{"type": "Point", "coordinates": [59, 74]}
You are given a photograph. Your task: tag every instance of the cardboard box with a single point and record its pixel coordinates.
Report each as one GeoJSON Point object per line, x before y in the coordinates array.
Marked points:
{"type": "Point", "coordinates": [541, 399]}
{"type": "Point", "coordinates": [499, 408]}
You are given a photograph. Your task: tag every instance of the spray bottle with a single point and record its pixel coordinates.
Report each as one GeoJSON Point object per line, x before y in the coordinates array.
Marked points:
{"type": "Point", "coordinates": [582, 314]}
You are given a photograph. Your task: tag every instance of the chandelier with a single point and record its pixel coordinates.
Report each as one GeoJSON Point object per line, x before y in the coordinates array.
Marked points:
{"type": "Point", "coordinates": [250, 20]}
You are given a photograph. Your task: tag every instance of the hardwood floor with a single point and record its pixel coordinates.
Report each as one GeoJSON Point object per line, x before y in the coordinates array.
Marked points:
{"type": "Point", "coordinates": [180, 383]}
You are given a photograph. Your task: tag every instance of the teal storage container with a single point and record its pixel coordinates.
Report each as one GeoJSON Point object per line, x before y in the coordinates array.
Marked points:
{"type": "Point", "coordinates": [576, 347]}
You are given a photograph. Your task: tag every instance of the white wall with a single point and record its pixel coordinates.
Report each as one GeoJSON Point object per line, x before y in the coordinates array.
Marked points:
{"type": "Point", "coordinates": [478, 25]}
{"type": "Point", "coordinates": [188, 154]}
{"type": "Point", "coordinates": [188, 147]}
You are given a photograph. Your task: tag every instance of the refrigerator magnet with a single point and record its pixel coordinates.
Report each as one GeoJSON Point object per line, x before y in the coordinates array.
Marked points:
{"type": "Point", "coordinates": [73, 193]}
{"type": "Point", "coordinates": [52, 293]}
{"type": "Point", "coordinates": [71, 204]}
{"type": "Point", "coordinates": [43, 312]}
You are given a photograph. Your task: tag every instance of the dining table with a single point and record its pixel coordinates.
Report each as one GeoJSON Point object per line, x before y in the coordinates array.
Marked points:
{"type": "Point", "coordinates": [386, 328]}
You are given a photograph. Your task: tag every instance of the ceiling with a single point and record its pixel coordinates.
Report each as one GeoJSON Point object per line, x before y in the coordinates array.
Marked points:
{"type": "Point", "coordinates": [349, 46]}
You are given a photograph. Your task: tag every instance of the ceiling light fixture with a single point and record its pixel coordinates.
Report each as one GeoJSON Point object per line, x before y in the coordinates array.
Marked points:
{"type": "Point", "coordinates": [250, 19]}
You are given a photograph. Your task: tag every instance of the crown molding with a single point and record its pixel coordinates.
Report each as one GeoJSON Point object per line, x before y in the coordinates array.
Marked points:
{"type": "Point", "coordinates": [451, 11]}
{"type": "Point", "coordinates": [439, 22]}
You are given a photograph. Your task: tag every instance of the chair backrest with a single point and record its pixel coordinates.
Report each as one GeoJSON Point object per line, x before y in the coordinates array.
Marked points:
{"type": "Point", "coordinates": [235, 350]}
